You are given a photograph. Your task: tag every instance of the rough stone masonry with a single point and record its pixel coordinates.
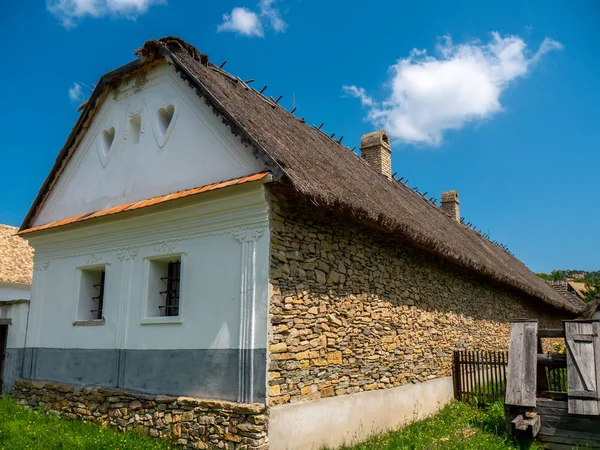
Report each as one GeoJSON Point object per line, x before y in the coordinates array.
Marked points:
{"type": "Point", "coordinates": [193, 423]}
{"type": "Point", "coordinates": [353, 310]}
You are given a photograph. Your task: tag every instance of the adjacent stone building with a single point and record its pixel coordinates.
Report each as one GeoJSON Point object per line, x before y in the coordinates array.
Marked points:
{"type": "Point", "coordinates": [214, 269]}
{"type": "Point", "coordinates": [16, 270]}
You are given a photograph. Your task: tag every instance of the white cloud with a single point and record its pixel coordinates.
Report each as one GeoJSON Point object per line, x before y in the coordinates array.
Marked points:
{"type": "Point", "coordinates": [76, 93]}
{"type": "Point", "coordinates": [359, 93]}
{"type": "Point", "coordinates": [272, 15]}
{"type": "Point", "coordinates": [69, 12]}
{"type": "Point", "coordinates": [430, 95]}
{"type": "Point", "coordinates": [249, 23]}
{"type": "Point", "coordinates": [242, 21]}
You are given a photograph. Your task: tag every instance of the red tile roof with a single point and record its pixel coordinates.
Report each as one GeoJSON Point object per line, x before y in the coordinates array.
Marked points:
{"type": "Point", "coordinates": [145, 203]}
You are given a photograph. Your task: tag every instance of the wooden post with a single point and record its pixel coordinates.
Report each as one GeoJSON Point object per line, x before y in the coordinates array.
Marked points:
{"type": "Point", "coordinates": [522, 364]}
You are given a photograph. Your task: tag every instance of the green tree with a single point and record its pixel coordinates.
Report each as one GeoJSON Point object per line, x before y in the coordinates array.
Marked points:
{"type": "Point", "coordinates": [557, 275]}
{"type": "Point", "coordinates": [592, 285]}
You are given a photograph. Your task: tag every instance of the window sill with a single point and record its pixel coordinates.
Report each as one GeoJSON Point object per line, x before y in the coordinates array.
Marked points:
{"type": "Point", "coordinates": [161, 320]}
{"type": "Point", "coordinates": [90, 323]}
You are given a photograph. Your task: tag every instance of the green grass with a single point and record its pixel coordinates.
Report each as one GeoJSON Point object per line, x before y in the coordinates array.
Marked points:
{"type": "Point", "coordinates": [456, 426]}
{"type": "Point", "coordinates": [21, 428]}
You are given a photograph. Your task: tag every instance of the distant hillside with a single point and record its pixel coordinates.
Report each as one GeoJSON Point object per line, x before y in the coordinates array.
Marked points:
{"type": "Point", "coordinates": [591, 280]}
{"type": "Point", "coordinates": [558, 275]}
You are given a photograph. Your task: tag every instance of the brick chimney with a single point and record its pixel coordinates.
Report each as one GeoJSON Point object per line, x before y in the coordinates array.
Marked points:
{"type": "Point", "coordinates": [376, 151]}
{"type": "Point", "coordinates": [450, 204]}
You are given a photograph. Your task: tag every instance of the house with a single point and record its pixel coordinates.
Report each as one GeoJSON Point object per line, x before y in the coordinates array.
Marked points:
{"type": "Point", "coordinates": [16, 270]}
{"type": "Point", "coordinates": [578, 288]}
{"type": "Point", "coordinates": [211, 267]}
{"type": "Point", "coordinates": [564, 288]}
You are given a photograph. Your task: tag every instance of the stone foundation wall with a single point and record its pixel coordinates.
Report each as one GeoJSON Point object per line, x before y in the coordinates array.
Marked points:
{"type": "Point", "coordinates": [352, 310]}
{"type": "Point", "coordinates": [193, 423]}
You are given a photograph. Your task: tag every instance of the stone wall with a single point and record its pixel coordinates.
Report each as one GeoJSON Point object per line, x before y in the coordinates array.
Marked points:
{"type": "Point", "coordinates": [352, 310]}
{"type": "Point", "coordinates": [193, 423]}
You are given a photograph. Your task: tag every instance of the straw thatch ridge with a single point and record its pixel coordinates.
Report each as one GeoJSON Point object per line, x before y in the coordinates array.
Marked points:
{"type": "Point", "coordinates": [334, 177]}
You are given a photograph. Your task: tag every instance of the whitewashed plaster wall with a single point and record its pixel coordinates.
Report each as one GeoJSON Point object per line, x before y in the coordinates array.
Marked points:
{"type": "Point", "coordinates": [224, 240]}
{"type": "Point", "coordinates": [194, 150]}
{"type": "Point", "coordinates": [14, 315]}
{"type": "Point", "coordinates": [12, 291]}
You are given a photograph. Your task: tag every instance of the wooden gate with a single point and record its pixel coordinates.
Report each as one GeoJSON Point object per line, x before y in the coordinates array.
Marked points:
{"type": "Point", "coordinates": [583, 361]}
{"type": "Point", "coordinates": [478, 376]}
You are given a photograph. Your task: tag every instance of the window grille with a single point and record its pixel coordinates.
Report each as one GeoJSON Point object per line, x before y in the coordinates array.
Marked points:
{"type": "Point", "coordinates": [171, 295]}
{"type": "Point", "coordinates": [97, 313]}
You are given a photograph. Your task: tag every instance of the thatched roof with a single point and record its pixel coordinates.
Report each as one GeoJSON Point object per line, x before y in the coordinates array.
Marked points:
{"type": "Point", "coordinates": [16, 257]}
{"type": "Point", "coordinates": [590, 308]}
{"type": "Point", "coordinates": [328, 173]}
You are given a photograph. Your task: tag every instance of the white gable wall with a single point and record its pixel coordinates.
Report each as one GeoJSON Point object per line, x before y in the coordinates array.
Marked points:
{"type": "Point", "coordinates": [197, 149]}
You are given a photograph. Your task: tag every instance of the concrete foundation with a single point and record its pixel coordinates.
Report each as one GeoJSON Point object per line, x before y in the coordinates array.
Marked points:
{"type": "Point", "coordinates": [351, 418]}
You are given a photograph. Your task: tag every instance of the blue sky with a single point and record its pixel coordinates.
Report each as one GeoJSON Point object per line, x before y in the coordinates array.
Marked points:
{"type": "Point", "coordinates": [510, 119]}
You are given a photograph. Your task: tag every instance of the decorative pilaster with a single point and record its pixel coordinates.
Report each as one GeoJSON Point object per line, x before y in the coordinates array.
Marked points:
{"type": "Point", "coordinates": [248, 240]}
{"type": "Point", "coordinates": [37, 299]}
{"type": "Point", "coordinates": [126, 256]}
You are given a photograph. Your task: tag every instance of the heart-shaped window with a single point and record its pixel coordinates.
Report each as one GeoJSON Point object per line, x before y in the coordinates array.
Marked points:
{"type": "Point", "coordinates": [108, 137]}
{"type": "Point", "coordinates": [165, 117]}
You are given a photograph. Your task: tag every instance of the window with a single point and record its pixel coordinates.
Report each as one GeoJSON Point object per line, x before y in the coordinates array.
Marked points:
{"type": "Point", "coordinates": [108, 137]}
{"type": "Point", "coordinates": [135, 129]}
{"type": "Point", "coordinates": [165, 117]}
{"type": "Point", "coordinates": [171, 306]}
{"type": "Point", "coordinates": [91, 293]}
{"type": "Point", "coordinates": [164, 287]}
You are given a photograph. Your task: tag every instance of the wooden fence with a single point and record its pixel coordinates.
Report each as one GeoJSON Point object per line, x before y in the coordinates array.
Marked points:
{"type": "Point", "coordinates": [479, 376]}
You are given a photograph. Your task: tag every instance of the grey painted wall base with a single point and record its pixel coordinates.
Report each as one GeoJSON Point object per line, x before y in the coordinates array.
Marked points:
{"type": "Point", "coordinates": [210, 374]}
{"type": "Point", "coordinates": [347, 419]}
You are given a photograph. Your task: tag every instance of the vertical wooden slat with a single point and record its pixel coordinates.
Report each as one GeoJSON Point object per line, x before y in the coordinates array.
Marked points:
{"type": "Point", "coordinates": [475, 376]}
{"type": "Point", "coordinates": [462, 372]}
{"type": "Point", "coordinates": [487, 376]}
{"type": "Point", "coordinates": [456, 374]}
{"type": "Point", "coordinates": [497, 372]}
{"type": "Point", "coordinates": [493, 374]}
{"type": "Point", "coordinates": [480, 374]}
{"type": "Point", "coordinates": [504, 358]}
{"type": "Point", "coordinates": [471, 374]}
{"type": "Point", "coordinates": [468, 373]}
{"type": "Point", "coordinates": [482, 370]}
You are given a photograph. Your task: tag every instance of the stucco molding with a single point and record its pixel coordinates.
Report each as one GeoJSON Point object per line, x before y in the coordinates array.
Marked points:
{"type": "Point", "coordinates": [164, 247]}
{"type": "Point", "coordinates": [124, 251]}
{"type": "Point", "coordinates": [94, 258]}
{"type": "Point", "coordinates": [40, 266]}
{"type": "Point", "coordinates": [128, 253]}
{"type": "Point", "coordinates": [249, 235]}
